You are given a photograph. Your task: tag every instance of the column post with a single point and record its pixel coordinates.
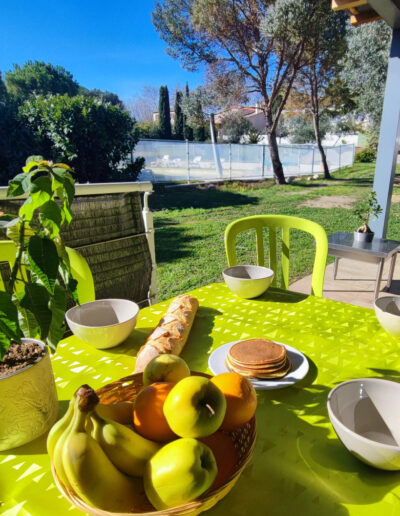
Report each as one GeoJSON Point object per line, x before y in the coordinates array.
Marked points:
{"type": "Point", "coordinates": [149, 228]}
{"type": "Point", "coordinates": [388, 139]}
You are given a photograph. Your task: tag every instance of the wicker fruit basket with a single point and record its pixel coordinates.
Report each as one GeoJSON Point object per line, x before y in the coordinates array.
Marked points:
{"type": "Point", "coordinates": [126, 389]}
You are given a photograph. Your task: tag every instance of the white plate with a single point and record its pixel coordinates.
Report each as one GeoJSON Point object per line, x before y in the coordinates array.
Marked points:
{"type": "Point", "coordinates": [298, 371]}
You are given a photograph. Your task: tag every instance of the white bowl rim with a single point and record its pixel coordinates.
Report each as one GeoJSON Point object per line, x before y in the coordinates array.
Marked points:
{"type": "Point", "coordinates": [269, 272]}
{"type": "Point", "coordinates": [343, 426]}
{"type": "Point", "coordinates": [75, 308]}
{"type": "Point", "coordinates": [386, 299]}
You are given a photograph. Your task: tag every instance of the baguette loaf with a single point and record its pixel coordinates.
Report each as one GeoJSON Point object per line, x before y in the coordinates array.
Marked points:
{"type": "Point", "coordinates": [171, 333]}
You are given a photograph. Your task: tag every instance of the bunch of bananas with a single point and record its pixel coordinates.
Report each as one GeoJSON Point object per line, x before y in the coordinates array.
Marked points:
{"type": "Point", "coordinates": [101, 460]}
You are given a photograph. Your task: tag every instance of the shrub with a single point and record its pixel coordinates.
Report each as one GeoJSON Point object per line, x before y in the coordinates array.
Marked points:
{"type": "Point", "coordinates": [146, 130]}
{"type": "Point", "coordinates": [40, 78]}
{"type": "Point", "coordinates": [91, 135]}
{"type": "Point", "coordinates": [365, 156]}
{"type": "Point", "coordinates": [234, 125]}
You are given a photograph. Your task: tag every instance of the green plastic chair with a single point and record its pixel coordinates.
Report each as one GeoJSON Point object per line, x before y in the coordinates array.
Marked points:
{"type": "Point", "coordinates": [274, 222]}
{"type": "Point", "coordinates": [79, 267]}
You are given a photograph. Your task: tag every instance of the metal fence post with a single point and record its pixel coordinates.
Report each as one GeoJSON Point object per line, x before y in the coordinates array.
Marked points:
{"type": "Point", "coordinates": [263, 161]}
{"type": "Point", "coordinates": [230, 161]}
{"type": "Point", "coordinates": [298, 161]}
{"type": "Point", "coordinates": [187, 161]}
{"type": "Point", "coordinates": [312, 162]}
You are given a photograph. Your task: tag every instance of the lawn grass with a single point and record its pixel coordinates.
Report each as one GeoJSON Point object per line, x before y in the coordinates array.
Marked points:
{"type": "Point", "coordinates": [190, 223]}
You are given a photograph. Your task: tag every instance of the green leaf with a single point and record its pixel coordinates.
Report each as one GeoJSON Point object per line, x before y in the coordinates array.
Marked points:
{"type": "Point", "coordinates": [36, 159]}
{"type": "Point", "coordinates": [28, 323]}
{"type": "Point", "coordinates": [42, 184]}
{"type": "Point", "coordinates": [56, 166]}
{"type": "Point", "coordinates": [70, 283]}
{"type": "Point", "coordinates": [43, 259]}
{"type": "Point", "coordinates": [50, 217]}
{"type": "Point", "coordinates": [29, 166]}
{"type": "Point", "coordinates": [9, 328]}
{"type": "Point", "coordinates": [67, 181]}
{"type": "Point", "coordinates": [18, 185]}
{"type": "Point", "coordinates": [58, 306]}
{"type": "Point", "coordinates": [4, 344]}
{"type": "Point", "coordinates": [67, 213]}
{"type": "Point", "coordinates": [36, 299]}
{"type": "Point", "coordinates": [13, 229]}
{"type": "Point", "coordinates": [40, 193]}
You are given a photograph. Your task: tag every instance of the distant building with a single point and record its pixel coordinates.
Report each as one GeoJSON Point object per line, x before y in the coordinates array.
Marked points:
{"type": "Point", "coordinates": [254, 114]}
{"type": "Point", "coordinates": [171, 115]}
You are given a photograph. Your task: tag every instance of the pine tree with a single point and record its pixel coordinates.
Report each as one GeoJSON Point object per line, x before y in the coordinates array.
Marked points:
{"type": "Point", "coordinates": [187, 130]}
{"type": "Point", "coordinates": [178, 120]}
{"type": "Point", "coordinates": [164, 115]}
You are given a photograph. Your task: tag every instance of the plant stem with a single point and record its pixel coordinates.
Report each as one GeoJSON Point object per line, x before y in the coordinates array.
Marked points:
{"type": "Point", "coordinates": [18, 259]}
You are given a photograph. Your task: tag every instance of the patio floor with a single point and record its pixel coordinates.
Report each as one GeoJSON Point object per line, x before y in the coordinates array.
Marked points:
{"type": "Point", "coordinates": [354, 284]}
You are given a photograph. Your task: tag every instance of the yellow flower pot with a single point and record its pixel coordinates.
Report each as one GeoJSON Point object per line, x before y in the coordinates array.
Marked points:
{"type": "Point", "coordinates": [28, 402]}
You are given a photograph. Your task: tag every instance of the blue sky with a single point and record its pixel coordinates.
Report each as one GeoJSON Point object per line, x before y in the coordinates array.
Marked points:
{"type": "Point", "coordinates": [104, 44]}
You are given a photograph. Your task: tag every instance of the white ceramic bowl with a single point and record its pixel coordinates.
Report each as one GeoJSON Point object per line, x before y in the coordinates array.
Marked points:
{"type": "Point", "coordinates": [104, 323]}
{"type": "Point", "coordinates": [365, 414]}
{"type": "Point", "coordinates": [387, 311]}
{"type": "Point", "coordinates": [248, 281]}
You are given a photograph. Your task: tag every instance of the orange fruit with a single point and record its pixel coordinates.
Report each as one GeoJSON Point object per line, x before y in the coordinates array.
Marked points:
{"type": "Point", "coordinates": [148, 416]}
{"type": "Point", "coordinates": [225, 455]}
{"type": "Point", "coordinates": [241, 399]}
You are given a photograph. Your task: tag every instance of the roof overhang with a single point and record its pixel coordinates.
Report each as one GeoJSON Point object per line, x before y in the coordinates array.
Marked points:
{"type": "Point", "coordinates": [366, 11]}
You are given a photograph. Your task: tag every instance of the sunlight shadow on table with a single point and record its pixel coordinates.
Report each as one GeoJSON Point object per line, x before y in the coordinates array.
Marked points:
{"type": "Point", "coordinates": [280, 463]}
{"type": "Point", "coordinates": [386, 374]}
{"type": "Point", "coordinates": [310, 376]}
{"type": "Point", "coordinates": [313, 465]}
{"type": "Point", "coordinates": [282, 296]}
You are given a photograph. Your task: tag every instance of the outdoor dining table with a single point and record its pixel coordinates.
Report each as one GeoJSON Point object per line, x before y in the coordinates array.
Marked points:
{"type": "Point", "coordinates": [299, 465]}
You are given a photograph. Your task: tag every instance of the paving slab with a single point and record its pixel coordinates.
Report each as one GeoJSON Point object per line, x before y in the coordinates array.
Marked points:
{"type": "Point", "coordinates": [354, 283]}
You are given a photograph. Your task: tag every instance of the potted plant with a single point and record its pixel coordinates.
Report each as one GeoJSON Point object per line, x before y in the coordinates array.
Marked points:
{"type": "Point", "coordinates": [34, 300]}
{"type": "Point", "coordinates": [364, 210]}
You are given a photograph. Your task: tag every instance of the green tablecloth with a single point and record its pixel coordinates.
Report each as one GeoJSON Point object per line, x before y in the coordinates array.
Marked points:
{"type": "Point", "coordinates": [299, 465]}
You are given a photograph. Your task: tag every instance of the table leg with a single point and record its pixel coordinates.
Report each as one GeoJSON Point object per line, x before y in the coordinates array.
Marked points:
{"type": "Point", "coordinates": [335, 266]}
{"type": "Point", "coordinates": [378, 278]}
{"type": "Point", "coordinates": [391, 270]}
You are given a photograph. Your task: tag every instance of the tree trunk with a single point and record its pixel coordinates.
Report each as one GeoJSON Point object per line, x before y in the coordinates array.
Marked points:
{"type": "Point", "coordinates": [277, 167]}
{"type": "Point", "coordinates": [320, 148]}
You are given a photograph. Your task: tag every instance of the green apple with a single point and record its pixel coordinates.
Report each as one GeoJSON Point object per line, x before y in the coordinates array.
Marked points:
{"type": "Point", "coordinates": [194, 407]}
{"type": "Point", "coordinates": [178, 473]}
{"type": "Point", "coordinates": [165, 368]}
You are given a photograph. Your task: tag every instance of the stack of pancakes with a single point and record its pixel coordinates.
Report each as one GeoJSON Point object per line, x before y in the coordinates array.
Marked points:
{"type": "Point", "coordinates": [258, 358]}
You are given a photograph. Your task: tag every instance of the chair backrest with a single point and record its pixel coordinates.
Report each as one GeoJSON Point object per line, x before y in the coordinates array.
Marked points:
{"type": "Point", "coordinates": [274, 222]}
{"type": "Point", "coordinates": [115, 236]}
{"type": "Point", "coordinates": [79, 267]}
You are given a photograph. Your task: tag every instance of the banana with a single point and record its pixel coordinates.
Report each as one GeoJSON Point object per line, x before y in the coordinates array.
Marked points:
{"type": "Point", "coordinates": [126, 449]}
{"type": "Point", "coordinates": [59, 435]}
{"type": "Point", "coordinates": [59, 446]}
{"type": "Point", "coordinates": [58, 428]}
{"type": "Point", "coordinates": [93, 476]}
{"type": "Point", "coordinates": [121, 412]}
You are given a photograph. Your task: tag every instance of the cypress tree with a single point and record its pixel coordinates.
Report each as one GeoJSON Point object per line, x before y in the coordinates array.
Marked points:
{"type": "Point", "coordinates": [178, 120]}
{"type": "Point", "coordinates": [199, 131]}
{"type": "Point", "coordinates": [187, 130]}
{"type": "Point", "coordinates": [164, 115]}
